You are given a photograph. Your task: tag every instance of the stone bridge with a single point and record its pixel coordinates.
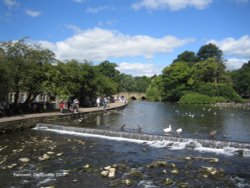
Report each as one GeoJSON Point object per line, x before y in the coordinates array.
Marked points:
{"type": "Point", "coordinates": [132, 95]}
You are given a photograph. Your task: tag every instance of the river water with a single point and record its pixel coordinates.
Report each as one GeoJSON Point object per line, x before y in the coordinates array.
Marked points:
{"type": "Point", "coordinates": [77, 159]}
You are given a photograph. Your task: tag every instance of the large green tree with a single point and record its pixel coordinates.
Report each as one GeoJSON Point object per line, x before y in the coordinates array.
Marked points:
{"type": "Point", "coordinates": [209, 51]}
{"type": "Point", "coordinates": [241, 80]}
{"type": "Point", "coordinates": [155, 89]}
{"type": "Point", "coordinates": [187, 56]}
{"type": "Point", "coordinates": [25, 62]}
{"type": "Point", "coordinates": [176, 81]}
{"type": "Point", "coordinates": [209, 70]}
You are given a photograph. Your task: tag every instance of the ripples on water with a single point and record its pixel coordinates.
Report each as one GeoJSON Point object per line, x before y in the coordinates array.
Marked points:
{"type": "Point", "coordinates": [78, 151]}
{"type": "Point", "coordinates": [232, 124]}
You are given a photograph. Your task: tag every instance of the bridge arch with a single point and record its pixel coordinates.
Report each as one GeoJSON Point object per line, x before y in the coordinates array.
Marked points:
{"type": "Point", "coordinates": [131, 95]}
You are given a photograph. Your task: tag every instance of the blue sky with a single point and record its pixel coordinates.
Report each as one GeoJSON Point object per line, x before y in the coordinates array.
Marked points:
{"type": "Point", "coordinates": [140, 36]}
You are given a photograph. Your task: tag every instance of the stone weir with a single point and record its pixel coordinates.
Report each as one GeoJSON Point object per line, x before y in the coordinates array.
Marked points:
{"type": "Point", "coordinates": [28, 121]}
{"type": "Point", "coordinates": [239, 147]}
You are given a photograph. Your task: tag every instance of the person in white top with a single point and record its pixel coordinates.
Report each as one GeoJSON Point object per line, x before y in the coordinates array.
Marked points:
{"type": "Point", "coordinates": [98, 102]}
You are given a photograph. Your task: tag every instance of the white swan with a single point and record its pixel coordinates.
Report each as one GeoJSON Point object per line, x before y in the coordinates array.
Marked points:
{"type": "Point", "coordinates": [178, 131]}
{"type": "Point", "coordinates": [213, 133]}
{"type": "Point", "coordinates": [168, 129]}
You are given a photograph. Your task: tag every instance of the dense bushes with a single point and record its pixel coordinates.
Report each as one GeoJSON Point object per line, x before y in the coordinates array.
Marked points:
{"type": "Point", "coordinates": [219, 90]}
{"type": "Point", "coordinates": [195, 98]}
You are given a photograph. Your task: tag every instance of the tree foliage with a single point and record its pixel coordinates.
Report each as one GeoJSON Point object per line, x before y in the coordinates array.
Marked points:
{"type": "Point", "coordinates": [187, 56]}
{"type": "Point", "coordinates": [177, 80]}
{"type": "Point", "coordinates": [241, 80]}
{"type": "Point", "coordinates": [155, 89]}
{"type": "Point", "coordinates": [209, 51]}
{"type": "Point", "coordinates": [198, 77]}
{"type": "Point", "coordinates": [24, 63]}
{"type": "Point", "coordinates": [34, 70]}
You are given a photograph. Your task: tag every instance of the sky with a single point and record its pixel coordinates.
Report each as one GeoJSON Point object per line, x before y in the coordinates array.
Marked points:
{"type": "Point", "coordinates": [141, 36]}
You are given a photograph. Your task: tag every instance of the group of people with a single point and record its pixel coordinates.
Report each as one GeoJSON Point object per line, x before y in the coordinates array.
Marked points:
{"type": "Point", "coordinates": [72, 106]}
{"type": "Point", "coordinates": [104, 101]}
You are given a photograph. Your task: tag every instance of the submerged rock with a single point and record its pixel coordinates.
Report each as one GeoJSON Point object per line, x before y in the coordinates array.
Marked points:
{"type": "Point", "coordinates": [24, 160]}
{"type": "Point", "coordinates": [127, 182]}
{"type": "Point", "coordinates": [105, 173]}
{"type": "Point", "coordinates": [12, 166]}
{"type": "Point", "coordinates": [44, 157]}
{"type": "Point", "coordinates": [87, 166]}
{"type": "Point", "coordinates": [50, 153]}
{"type": "Point", "coordinates": [157, 164]}
{"type": "Point", "coordinates": [59, 154]}
{"type": "Point", "coordinates": [108, 172]}
{"type": "Point", "coordinates": [175, 171]}
{"type": "Point", "coordinates": [168, 181]}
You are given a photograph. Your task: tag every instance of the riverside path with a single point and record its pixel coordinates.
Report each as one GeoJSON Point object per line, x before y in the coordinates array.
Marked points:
{"type": "Point", "coordinates": [47, 114]}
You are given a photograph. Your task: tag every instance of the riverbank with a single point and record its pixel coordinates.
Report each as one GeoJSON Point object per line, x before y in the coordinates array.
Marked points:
{"type": "Point", "coordinates": [21, 122]}
{"type": "Point", "coordinates": [245, 105]}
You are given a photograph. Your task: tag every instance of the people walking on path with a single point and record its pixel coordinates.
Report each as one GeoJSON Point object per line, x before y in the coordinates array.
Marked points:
{"type": "Point", "coordinates": [105, 102]}
{"type": "Point", "coordinates": [61, 106]}
{"type": "Point", "coordinates": [76, 105]}
{"type": "Point", "coordinates": [98, 101]}
{"type": "Point", "coordinates": [69, 105]}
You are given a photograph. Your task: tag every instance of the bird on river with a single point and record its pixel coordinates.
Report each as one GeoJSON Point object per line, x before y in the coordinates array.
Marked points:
{"type": "Point", "coordinates": [213, 133]}
{"type": "Point", "coordinates": [168, 129]}
{"type": "Point", "coordinates": [139, 128]}
{"type": "Point", "coordinates": [122, 127]}
{"type": "Point", "coordinates": [178, 131]}
{"type": "Point", "coordinates": [107, 126]}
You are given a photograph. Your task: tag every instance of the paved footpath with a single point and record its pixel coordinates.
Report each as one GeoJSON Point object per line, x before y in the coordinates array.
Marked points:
{"type": "Point", "coordinates": [81, 110]}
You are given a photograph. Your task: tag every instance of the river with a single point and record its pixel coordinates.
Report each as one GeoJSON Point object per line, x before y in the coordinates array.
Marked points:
{"type": "Point", "coordinates": [76, 159]}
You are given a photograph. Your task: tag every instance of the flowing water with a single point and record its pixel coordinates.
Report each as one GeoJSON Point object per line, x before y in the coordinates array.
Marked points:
{"type": "Point", "coordinates": [133, 142]}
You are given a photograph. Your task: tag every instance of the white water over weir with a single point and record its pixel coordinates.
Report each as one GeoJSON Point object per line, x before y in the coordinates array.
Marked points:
{"type": "Point", "coordinates": [172, 142]}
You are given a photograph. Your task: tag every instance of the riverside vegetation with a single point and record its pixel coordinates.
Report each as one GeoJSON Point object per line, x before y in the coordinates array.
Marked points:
{"type": "Point", "coordinates": [191, 78]}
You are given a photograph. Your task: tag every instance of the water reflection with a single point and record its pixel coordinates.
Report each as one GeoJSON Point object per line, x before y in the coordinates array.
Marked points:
{"type": "Point", "coordinates": [196, 121]}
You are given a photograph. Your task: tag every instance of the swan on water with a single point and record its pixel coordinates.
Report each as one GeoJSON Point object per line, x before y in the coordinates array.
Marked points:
{"type": "Point", "coordinates": [168, 129]}
{"type": "Point", "coordinates": [178, 131]}
{"type": "Point", "coordinates": [122, 127]}
{"type": "Point", "coordinates": [213, 133]}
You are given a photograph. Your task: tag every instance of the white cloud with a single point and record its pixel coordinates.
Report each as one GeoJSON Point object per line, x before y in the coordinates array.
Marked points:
{"type": "Point", "coordinates": [98, 9]}
{"type": "Point", "coordinates": [11, 3]}
{"type": "Point", "coordinates": [74, 28]}
{"type": "Point", "coordinates": [106, 23]}
{"type": "Point", "coordinates": [100, 44]}
{"type": "Point", "coordinates": [139, 69]}
{"type": "Point", "coordinates": [33, 13]}
{"type": "Point", "coordinates": [233, 64]}
{"type": "Point", "coordinates": [173, 5]}
{"type": "Point", "coordinates": [235, 47]}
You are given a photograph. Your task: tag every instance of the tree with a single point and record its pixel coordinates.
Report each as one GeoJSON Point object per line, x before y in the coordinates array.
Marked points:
{"type": "Point", "coordinates": [141, 83]}
{"type": "Point", "coordinates": [108, 69]}
{"type": "Point", "coordinates": [155, 89]}
{"type": "Point", "coordinates": [241, 80]}
{"type": "Point", "coordinates": [209, 70]}
{"type": "Point", "coordinates": [186, 56]}
{"type": "Point", "coordinates": [209, 51]}
{"type": "Point", "coordinates": [25, 64]}
{"type": "Point", "coordinates": [176, 81]}
{"type": "Point", "coordinates": [127, 83]}
{"type": "Point", "coordinates": [4, 77]}
{"type": "Point", "coordinates": [36, 72]}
